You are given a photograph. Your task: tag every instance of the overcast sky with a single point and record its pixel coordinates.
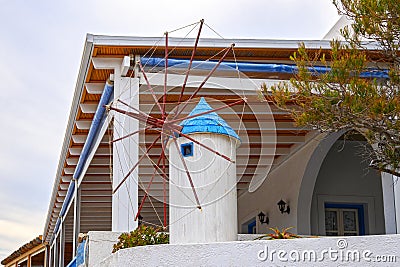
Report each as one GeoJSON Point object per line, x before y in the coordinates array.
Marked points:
{"type": "Point", "coordinates": [40, 51]}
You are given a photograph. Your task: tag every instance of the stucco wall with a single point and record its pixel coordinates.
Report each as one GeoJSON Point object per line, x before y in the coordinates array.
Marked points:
{"type": "Point", "coordinates": [350, 251]}
{"type": "Point", "coordinates": [295, 179]}
{"type": "Point", "coordinates": [101, 245]}
{"type": "Point", "coordinates": [396, 189]}
{"type": "Point", "coordinates": [345, 177]}
{"type": "Point", "coordinates": [284, 182]}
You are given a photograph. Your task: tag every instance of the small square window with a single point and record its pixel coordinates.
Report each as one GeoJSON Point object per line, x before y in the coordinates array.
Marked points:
{"type": "Point", "coordinates": [187, 149]}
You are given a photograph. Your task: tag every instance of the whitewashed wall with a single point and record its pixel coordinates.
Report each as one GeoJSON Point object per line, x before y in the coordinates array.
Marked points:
{"type": "Point", "coordinates": [350, 251]}
{"type": "Point", "coordinates": [100, 245]}
{"type": "Point", "coordinates": [282, 183]}
{"type": "Point", "coordinates": [294, 182]}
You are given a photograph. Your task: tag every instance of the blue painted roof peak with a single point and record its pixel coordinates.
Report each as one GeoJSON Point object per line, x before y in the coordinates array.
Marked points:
{"type": "Point", "coordinates": [207, 123]}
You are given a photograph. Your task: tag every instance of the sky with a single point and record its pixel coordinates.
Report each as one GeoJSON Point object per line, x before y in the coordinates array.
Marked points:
{"type": "Point", "coordinates": [41, 44]}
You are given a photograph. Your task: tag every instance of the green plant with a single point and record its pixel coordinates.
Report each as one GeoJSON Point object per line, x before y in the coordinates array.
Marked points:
{"type": "Point", "coordinates": [141, 236]}
{"type": "Point", "coordinates": [349, 96]}
{"type": "Point", "coordinates": [279, 234]}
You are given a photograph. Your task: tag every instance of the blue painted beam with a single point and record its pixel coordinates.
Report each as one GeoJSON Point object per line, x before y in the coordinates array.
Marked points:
{"type": "Point", "coordinates": [249, 67]}
{"type": "Point", "coordinates": [87, 147]}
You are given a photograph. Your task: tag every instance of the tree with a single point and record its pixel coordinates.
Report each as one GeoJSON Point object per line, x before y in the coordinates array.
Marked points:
{"type": "Point", "coordinates": [351, 95]}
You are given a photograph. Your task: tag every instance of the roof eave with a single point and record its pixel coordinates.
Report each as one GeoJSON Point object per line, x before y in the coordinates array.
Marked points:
{"type": "Point", "coordinates": [104, 40]}
{"type": "Point", "coordinates": [84, 66]}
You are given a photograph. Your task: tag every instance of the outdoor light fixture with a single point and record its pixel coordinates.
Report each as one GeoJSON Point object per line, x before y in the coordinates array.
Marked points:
{"type": "Point", "coordinates": [262, 218]}
{"type": "Point", "coordinates": [283, 208]}
{"type": "Point", "coordinates": [140, 219]}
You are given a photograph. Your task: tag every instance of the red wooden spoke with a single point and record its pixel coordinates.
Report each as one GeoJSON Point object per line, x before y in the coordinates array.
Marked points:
{"type": "Point", "coordinates": [150, 118]}
{"type": "Point", "coordinates": [147, 190]}
{"type": "Point", "coordinates": [140, 117]}
{"type": "Point", "coordinates": [187, 172]}
{"type": "Point", "coordinates": [130, 114]}
{"type": "Point", "coordinates": [164, 187]}
{"type": "Point", "coordinates": [132, 107]}
{"type": "Point", "coordinates": [205, 112]}
{"type": "Point", "coordinates": [164, 175]}
{"type": "Point", "coordinates": [129, 135]}
{"type": "Point", "coordinates": [205, 80]}
{"type": "Point", "coordinates": [137, 164]}
{"type": "Point", "coordinates": [202, 145]}
{"type": "Point", "coordinates": [165, 76]}
{"type": "Point", "coordinates": [191, 61]}
{"type": "Point", "coordinates": [150, 88]}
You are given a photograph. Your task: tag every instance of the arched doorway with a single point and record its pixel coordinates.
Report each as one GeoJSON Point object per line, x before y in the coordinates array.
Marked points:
{"type": "Point", "coordinates": [338, 179]}
{"type": "Point", "coordinates": [347, 197]}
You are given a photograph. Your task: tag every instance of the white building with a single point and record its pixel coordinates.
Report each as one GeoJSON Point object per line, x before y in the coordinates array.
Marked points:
{"type": "Point", "coordinates": [323, 179]}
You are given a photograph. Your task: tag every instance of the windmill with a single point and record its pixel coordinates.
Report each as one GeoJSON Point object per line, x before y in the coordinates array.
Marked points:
{"type": "Point", "coordinates": [176, 87]}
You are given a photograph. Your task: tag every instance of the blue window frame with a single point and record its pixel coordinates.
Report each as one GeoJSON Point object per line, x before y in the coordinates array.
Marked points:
{"type": "Point", "coordinates": [251, 227]}
{"type": "Point", "coordinates": [187, 149]}
{"type": "Point", "coordinates": [358, 207]}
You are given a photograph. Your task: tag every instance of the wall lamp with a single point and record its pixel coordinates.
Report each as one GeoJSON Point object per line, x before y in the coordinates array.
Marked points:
{"type": "Point", "coordinates": [140, 219]}
{"type": "Point", "coordinates": [263, 218]}
{"type": "Point", "coordinates": [283, 208]}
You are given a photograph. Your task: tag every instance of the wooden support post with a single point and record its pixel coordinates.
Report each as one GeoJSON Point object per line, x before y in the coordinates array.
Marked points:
{"type": "Point", "coordinates": [125, 187]}
{"type": "Point", "coordinates": [55, 251]}
{"type": "Point", "coordinates": [61, 243]}
{"type": "Point", "coordinates": [46, 256]}
{"type": "Point", "coordinates": [77, 218]}
{"type": "Point", "coordinates": [136, 67]}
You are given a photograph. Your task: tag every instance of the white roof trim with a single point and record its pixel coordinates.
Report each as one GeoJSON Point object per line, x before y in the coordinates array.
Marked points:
{"type": "Point", "coordinates": [211, 42]}
{"type": "Point", "coordinates": [85, 63]}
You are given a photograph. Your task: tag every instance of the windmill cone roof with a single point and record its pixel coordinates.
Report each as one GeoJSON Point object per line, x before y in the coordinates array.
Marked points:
{"type": "Point", "coordinates": [207, 123]}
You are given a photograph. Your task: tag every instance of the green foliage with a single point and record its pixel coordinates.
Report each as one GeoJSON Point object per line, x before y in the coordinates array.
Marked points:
{"type": "Point", "coordinates": [279, 234]}
{"type": "Point", "coordinates": [373, 19]}
{"type": "Point", "coordinates": [340, 98]}
{"type": "Point", "coordinates": [141, 236]}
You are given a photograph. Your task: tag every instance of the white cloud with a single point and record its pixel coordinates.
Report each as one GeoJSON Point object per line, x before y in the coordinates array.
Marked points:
{"type": "Point", "coordinates": [18, 226]}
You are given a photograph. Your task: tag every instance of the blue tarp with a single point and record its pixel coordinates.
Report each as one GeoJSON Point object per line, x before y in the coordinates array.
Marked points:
{"type": "Point", "coordinates": [81, 254]}
{"type": "Point", "coordinates": [250, 67]}
{"type": "Point", "coordinates": [79, 260]}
